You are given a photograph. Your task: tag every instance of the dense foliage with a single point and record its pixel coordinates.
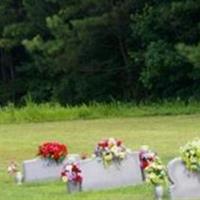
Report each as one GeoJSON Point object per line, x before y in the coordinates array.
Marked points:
{"type": "Point", "coordinates": [75, 51]}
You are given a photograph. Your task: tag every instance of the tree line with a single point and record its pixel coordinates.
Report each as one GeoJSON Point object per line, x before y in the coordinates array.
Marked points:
{"type": "Point", "coordinates": [78, 51]}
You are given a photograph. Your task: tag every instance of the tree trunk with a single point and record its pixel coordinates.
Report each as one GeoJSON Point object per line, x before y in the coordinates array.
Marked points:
{"type": "Point", "coordinates": [3, 73]}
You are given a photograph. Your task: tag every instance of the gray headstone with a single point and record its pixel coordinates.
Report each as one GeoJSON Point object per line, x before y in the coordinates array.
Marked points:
{"type": "Point", "coordinates": [97, 176]}
{"type": "Point", "coordinates": [41, 170]}
{"type": "Point", "coordinates": [186, 185]}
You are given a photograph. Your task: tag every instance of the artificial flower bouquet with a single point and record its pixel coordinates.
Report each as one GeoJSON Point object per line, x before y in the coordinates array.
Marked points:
{"type": "Point", "coordinates": [53, 151]}
{"type": "Point", "coordinates": [110, 150]}
{"type": "Point", "coordinates": [156, 173]}
{"type": "Point", "coordinates": [190, 155]}
{"type": "Point", "coordinates": [146, 157]}
{"type": "Point", "coordinates": [72, 173]}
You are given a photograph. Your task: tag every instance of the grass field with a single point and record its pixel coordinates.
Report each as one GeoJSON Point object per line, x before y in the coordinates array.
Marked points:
{"type": "Point", "coordinates": [165, 134]}
{"type": "Point", "coordinates": [32, 112]}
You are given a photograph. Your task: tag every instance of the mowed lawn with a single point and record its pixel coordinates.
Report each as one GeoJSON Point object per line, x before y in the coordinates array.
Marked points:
{"type": "Point", "coordinates": [20, 141]}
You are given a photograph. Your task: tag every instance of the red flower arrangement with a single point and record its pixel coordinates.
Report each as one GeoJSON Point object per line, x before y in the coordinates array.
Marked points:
{"type": "Point", "coordinates": [53, 151]}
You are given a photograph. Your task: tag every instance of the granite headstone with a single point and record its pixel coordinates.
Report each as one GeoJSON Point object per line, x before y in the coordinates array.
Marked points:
{"type": "Point", "coordinates": [41, 169]}
{"type": "Point", "coordinates": [185, 184]}
{"type": "Point", "coordinates": [97, 176]}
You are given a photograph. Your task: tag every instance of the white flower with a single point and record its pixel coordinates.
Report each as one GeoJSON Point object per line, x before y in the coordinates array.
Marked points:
{"type": "Point", "coordinates": [111, 142]}
{"type": "Point", "coordinates": [68, 168]}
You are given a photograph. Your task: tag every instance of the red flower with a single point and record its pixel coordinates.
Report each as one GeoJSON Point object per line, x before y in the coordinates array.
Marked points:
{"type": "Point", "coordinates": [76, 169]}
{"type": "Point", "coordinates": [78, 179]}
{"type": "Point", "coordinates": [53, 150]}
{"type": "Point", "coordinates": [119, 143]}
{"type": "Point", "coordinates": [144, 164]}
{"type": "Point", "coordinates": [146, 159]}
{"type": "Point", "coordinates": [103, 143]}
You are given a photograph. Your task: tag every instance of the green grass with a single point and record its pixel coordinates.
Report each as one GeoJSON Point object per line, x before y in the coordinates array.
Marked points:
{"type": "Point", "coordinates": [54, 112]}
{"type": "Point", "coordinates": [165, 134]}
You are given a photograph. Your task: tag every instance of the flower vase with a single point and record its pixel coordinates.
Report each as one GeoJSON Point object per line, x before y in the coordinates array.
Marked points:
{"type": "Point", "coordinates": [159, 192]}
{"type": "Point", "coordinates": [19, 178]}
{"type": "Point", "coordinates": [73, 187]}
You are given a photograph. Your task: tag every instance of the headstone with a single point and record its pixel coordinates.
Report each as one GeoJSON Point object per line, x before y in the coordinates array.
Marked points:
{"type": "Point", "coordinates": [185, 184]}
{"type": "Point", "coordinates": [41, 169]}
{"type": "Point", "coordinates": [96, 176]}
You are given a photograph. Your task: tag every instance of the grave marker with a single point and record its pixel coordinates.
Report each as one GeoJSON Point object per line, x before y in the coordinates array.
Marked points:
{"type": "Point", "coordinates": [186, 185]}
{"type": "Point", "coordinates": [96, 176]}
{"type": "Point", "coordinates": [40, 169]}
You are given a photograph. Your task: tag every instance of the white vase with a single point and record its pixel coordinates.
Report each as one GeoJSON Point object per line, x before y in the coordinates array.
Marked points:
{"type": "Point", "coordinates": [19, 178]}
{"type": "Point", "coordinates": [159, 192]}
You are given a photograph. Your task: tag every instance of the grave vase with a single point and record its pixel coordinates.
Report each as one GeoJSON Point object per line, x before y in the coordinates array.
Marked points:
{"type": "Point", "coordinates": [18, 178]}
{"type": "Point", "coordinates": [73, 187]}
{"type": "Point", "coordinates": [159, 191]}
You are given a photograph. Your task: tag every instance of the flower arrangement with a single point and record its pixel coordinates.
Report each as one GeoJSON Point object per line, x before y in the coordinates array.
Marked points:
{"type": "Point", "coordinates": [156, 173]}
{"type": "Point", "coordinates": [72, 173]}
{"type": "Point", "coordinates": [53, 151]}
{"type": "Point", "coordinates": [190, 155]}
{"type": "Point", "coordinates": [110, 150]}
{"type": "Point", "coordinates": [13, 170]}
{"type": "Point", "coordinates": [146, 157]}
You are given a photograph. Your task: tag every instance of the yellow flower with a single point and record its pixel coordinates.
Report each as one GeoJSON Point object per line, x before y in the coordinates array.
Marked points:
{"type": "Point", "coordinates": [65, 179]}
{"type": "Point", "coordinates": [108, 157]}
{"type": "Point", "coordinates": [122, 155]}
{"type": "Point", "coordinates": [114, 150]}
